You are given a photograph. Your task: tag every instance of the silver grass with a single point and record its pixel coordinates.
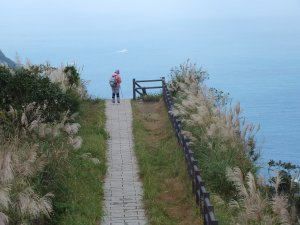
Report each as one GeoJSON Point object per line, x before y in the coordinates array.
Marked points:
{"type": "Point", "coordinates": [74, 115]}
{"type": "Point", "coordinates": [197, 119]}
{"type": "Point", "coordinates": [174, 112]}
{"type": "Point", "coordinates": [96, 161]}
{"type": "Point", "coordinates": [261, 181]}
{"type": "Point", "coordinates": [18, 60]}
{"type": "Point", "coordinates": [58, 76]}
{"type": "Point", "coordinates": [65, 117]}
{"type": "Point", "coordinates": [236, 176]}
{"type": "Point", "coordinates": [251, 183]}
{"type": "Point", "coordinates": [28, 63]}
{"type": "Point", "coordinates": [250, 204]}
{"type": "Point", "coordinates": [76, 142]}
{"type": "Point", "coordinates": [203, 111]}
{"type": "Point", "coordinates": [29, 164]}
{"type": "Point", "coordinates": [33, 125]}
{"type": "Point", "coordinates": [187, 134]}
{"type": "Point", "coordinates": [229, 116]}
{"type": "Point", "coordinates": [280, 206]}
{"type": "Point", "coordinates": [4, 196]}
{"type": "Point", "coordinates": [6, 167]}
{"type": "Point", "coordinates": [182, 86]}
{"type": "Point", "coordinates": [212, 130]}
{"type": "Point", "coordinates": [30, 107]}
{"type": "Point", "coordinates": [56, 130]}
{"type": "Point", "coordinates": [294, 180]}
{"type": "Point", "coordinates": [237, 108]}
{"type": "Point", "coordinates": [233, 204]}
{"type": "Point", "coordinates": [24, 120]}
{"type": "Point", "coordinates": [12, 113]}
{"type": "Point", "coordinates": [237, 126]}
{"type": "Point", "coordinates": [280, 203]}
{"type": "Point", "coordinates": [88, 156]}
{"type": "Point", "coordinates": [3, 219]}
{"type": "Point", "coordinates": [30, 204]}
{"type": "Point", "coordinates": [72, 129]}
{"type": "Point", "coordinates": [254, 204]}
{"type": "Point", "coordinates": [278, 181]}
{"type": "Point", "coordinates": [182, 111]}
{"type": "Point", "coordinates": [188, 104]}
{"type": "Point", "coordinates": [45, 204]}
{"type": "Point", "coordinates": [42, 130]}
{"type": "Point", "coordinates": [48, 130]}
{"type": "Point", "coordinates": [45, 105]}
{"type": "Point", "coordinates": [293, 214]}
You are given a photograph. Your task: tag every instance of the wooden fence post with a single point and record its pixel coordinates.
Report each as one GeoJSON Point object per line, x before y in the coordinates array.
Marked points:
{"type": "Point", "coordinates": [133, 85]}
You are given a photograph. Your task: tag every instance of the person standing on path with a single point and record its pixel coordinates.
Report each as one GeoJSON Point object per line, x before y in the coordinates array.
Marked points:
{"type": "Point", "coordinates": [115, 82]}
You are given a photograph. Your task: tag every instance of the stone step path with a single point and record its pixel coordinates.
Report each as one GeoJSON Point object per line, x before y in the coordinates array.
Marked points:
{"type": "Point", "coordinates": [123, 192]}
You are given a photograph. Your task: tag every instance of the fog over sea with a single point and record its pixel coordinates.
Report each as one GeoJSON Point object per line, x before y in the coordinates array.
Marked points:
{"type": "Point", "coordinates": [250, 50]}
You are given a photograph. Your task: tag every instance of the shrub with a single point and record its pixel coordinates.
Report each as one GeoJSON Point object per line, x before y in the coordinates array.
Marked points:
{"type": "Point", "coordinates": [24, 86]}
{"type": "Point", "coordinates": [72, 74]}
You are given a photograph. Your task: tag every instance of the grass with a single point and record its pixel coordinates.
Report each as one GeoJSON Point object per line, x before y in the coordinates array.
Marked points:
{"type": "Point", "coordinates": [150, 97]}
{"type": "Point", "coordinates": [167, 188]}
{"type": "Point", "coordinates": [79, 182]}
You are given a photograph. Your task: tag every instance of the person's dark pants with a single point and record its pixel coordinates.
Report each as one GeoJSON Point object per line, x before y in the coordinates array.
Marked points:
{"type": "Point", "coordinates": [115, 92]}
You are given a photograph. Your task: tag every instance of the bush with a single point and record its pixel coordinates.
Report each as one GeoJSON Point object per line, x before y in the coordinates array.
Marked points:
{"type": "Point", "coordinates": [72, 74]}
{"type": "Point", "coordinates": [24, 86]}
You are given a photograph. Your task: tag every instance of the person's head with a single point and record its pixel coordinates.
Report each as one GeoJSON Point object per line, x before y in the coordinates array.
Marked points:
{"type": "Point", "coordinates": [117, 71]}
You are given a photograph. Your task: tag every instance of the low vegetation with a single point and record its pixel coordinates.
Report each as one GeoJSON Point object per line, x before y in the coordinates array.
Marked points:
{"type": "Point", "coordinates": [225, 146]}
{"type": "Point", "coordinates": [48, 173]}
{"type": "Point", "coordinates": [167, 188]}
{"type": "Point", "coordinates": [78, 180]}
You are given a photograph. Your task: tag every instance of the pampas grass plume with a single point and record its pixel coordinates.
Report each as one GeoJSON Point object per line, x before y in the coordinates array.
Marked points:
{"type": "Point", "coordinates": [3, 219]}
{"type": "Point", "coordinates": [4, 196]}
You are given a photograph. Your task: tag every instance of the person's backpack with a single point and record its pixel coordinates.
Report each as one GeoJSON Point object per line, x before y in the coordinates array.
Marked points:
{"type": "Point", "coordinates": [113, 81]}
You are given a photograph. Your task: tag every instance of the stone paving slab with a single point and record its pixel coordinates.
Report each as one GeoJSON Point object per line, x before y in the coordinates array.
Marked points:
{"type": "Point", "coordinates": [123, 191]}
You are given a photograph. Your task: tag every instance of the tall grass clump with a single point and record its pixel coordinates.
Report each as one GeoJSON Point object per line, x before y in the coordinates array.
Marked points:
{"type": "Point", "coordinates": [38, 131]}
{"type": "Point", "coordinates": [220, 136]}
{"type": "Point", "coordinates": [77, 181]}
{"type": "Point", "coordinates": [253, 204]}
{"type": "Point", "coordinates": [226, 149]}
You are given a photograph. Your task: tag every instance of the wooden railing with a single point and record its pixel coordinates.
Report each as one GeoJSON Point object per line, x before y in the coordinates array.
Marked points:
{"type": "Point", "coordinates": [142, 90]}
{"type": "Point", "coordinates": [198, 185]}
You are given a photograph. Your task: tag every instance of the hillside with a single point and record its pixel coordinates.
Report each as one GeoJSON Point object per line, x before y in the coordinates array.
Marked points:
{"type": "Point", "coordinates": [6, 61]}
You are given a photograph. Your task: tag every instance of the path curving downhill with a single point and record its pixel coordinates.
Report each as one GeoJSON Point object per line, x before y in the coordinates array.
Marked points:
{"type": "Point", "coordinates": [123, 193]}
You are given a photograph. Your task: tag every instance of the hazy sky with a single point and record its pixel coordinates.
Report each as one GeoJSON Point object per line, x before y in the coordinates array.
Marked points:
{"type": "Point", "coordinates": [46, 20]}
{"type": "Point", "coordinates": [154, 33]}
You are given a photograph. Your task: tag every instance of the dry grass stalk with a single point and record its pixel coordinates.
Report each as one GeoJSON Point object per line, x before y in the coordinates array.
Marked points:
{"type": "Point", "coordinates": [6, 165]}
{"type": "Point", "coordinates": [30, 204]}
{"type": "Point", "coordinates": [88, 156]}
{"type": "Point", "coordinates": [76, 142]}
{"type": "Point", "coordinates": [4, 196]}
{"type": "Point", "coordinates": [252, 207]}
{"type": "Point", "coordinates": [197, 106]}
{"type": "Point", "coordinates": [3, 219]}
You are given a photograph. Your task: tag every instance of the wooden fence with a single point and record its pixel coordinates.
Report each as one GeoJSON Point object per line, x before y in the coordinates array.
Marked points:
{"type": "Point", "coordinates": [198, 185]}
{"type": "Point", "coordinates": [142, 90]}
